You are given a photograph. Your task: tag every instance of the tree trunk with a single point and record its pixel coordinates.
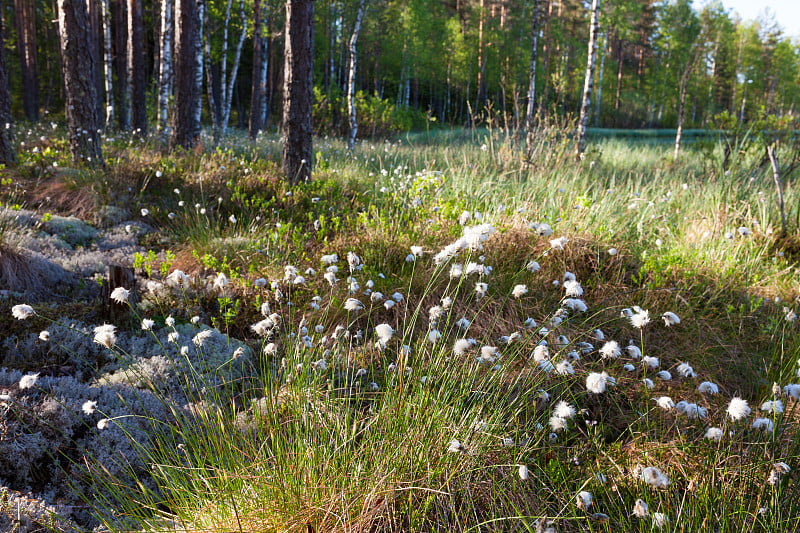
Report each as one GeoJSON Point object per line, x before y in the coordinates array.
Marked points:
{"type": "Point", "coordinates": [108, 63]}
{"type": "Point", "coordinates": [96, 45]}
{"type": "Point", "coordinates": [588, 79]}
{"type": "Point", "coordinates": [619, 82]}
{"type": "Point", "coordinates": [600, 80]}
{"type": "Point", "coordinates": [8, 152]}
{"type": "Point", "coordinates": [197, 54]}
{"type": "Point", "coordinates": [532, 84]}
{"type": "Point", "coordinates": [256, 92]}
{"type": "Point", "coordinates": [228, 91]}
{"type": "Point", "coordinates": [298, 90]}
{"type": "Point", "coordinates": [26, 46]}
{"type": "Point", "coordinates": [81, 104]}
{"type": "Point", "coordinates": [136, 72]}
{"type": "Point", "coordinates": [480, 99]}
{"type": "Point", "coordinates": [165, 67]}
{"type": "Point", "coordinates": [185, 121]}
{"type": "Point", "coordinates": [121, 65]}
{"type": "Point", "coordinates": [265, 50]}
{"type": "Point", "coordinates": [681, 110]}
{"type": "Point", "coordinates": [351, 76]}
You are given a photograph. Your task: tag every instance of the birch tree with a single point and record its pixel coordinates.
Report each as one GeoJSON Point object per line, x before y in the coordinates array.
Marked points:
{"type": "Point", "coordinates": [222, 117]}
{"type": "Point", "coordinates": [588, 79]}
{"type": "Point", "coordinates": [298, 90]}
{"type": "Point", "coordinates": [531, 110]}
{"type": "Point", "coordinates": [78, 64]}
{"type": "Point", "coordinates": [165, 66]}
{"type": "Point", "coordinates": [351, 75]}
{"type": "Point", "coordinates": [108, 63]}
{"type": "Point", "coordinates": [196, 53]}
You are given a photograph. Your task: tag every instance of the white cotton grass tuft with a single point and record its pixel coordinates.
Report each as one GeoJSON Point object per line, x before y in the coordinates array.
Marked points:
{"type": "Point", "coordinates": [640, 509]}
{"type": "Point", "coordinates": [764, 424]}
{"type": "Point", "coordinates": [461, 346]}
{"type": "Point", "coordinates": [584, 500]}
{"type": "Point", "coordinates": [147, 324]}
{"type": "Point", "coordinates": [640, 319]}
{"type": "Point", "coordinates": [633, 351]}
{"type": "Point", "coordinates": [559, 243]}
{"type": "Point", "coordinates": [352, 304]}
{"type": "Point", "coordinates": [738, 409]}
{"type": "Point", "coordinates": [120, 295]}
{"type": "Point", "coordinates": [610, 350]}
{"type": "Point", "coordinates": [685, 370]}
{"type": "Point", "coordinates": [454, 446]}
{"type": "Point", "coordinates": [596, 383]}
{"type": "Point", "coordinates": [660, 520]}
{"type": "Point", "coordinates": [573, 289]}
{"type": "Point", "coordinates": [708, 387]}
{"type": "Point", "coordinates": [665, 402]}
{"type": "Point", "coordinates": [28, 381]}
{"type": "Point", "coordinates": [651, 362]}
{"type": "Point", "coordinates": [714, 434]}
{"type": "Point", "coordinates": [103, 423]}
{"type": "Point", "coordinates": [772, 406]}
{"type": "Point", "coordinates": [523, 472]}
{"type": "Point", "coordinates": [670, 319]}
{"type": "Point", "coordinates": [44, 335]}
{"type": "Point", "coordinates": [22, 311]}
{"type": "Point", "coordinates": [564, 410]}
{"type": "Point", "coordinates": [105, 335]}
{"type": "Point", "coordinates": [384, 333]}
{"type": "Point", "coordinates": [655, 477]}
{"type": "Point", "coordinates": [89, 407]}
{"type": "Point", "coordinates": [519, 291]}
{"type": "Point", "coordinates": [558, 424]}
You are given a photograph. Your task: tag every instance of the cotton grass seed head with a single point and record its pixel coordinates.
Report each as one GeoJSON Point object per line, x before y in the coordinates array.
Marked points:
{"type": "Point", "coordinates": [120, 295]}
{"type": "Point", "coordinates": [738, 409]}
{"type": "Point", "coordinates": [670, 319]}
{"type": "Point", "coordinates": [105, 335]}
{"type": "Point", "coordinates": [22, 311]}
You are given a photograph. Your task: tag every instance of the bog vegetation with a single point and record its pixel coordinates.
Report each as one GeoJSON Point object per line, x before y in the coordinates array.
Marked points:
{"type": "Point", "coordinates": [440, 332]}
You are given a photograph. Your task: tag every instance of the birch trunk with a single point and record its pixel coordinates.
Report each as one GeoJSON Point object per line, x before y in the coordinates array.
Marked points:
{"type": "Point", "coordinates": [255, 123]}
{"type": "Point", "coordinates": [681, 109]}
{"type": "Point", "coordinates": [262, 84]}
{"type": "Point", "coordinates": [197, 54]}
{"type": "Point", "coordinates": [588, 79]}
{"type": "Point", "coordinates": [108, 63]}
{"type": "Point", "coordinates": [351, 76]}
{"type": "Point", "coordinates": [532, 84]}
{"type": "Point", "coordinates": [228, 92]}
{"type": "Point", "coordinates": [600, 80]}
{"type": "Point", "coordinates": [165, 66]}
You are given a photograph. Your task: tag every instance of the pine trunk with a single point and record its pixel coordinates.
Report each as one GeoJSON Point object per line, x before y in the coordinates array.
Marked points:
{"type": "Point", "coordinates": [26, 46]}
{"type": "Point", "coordinates": [121, 65]}
{"type": "Point", "coordinates": [8, 152]}
{"type": "Point", "coordinates": [298, 90]}
{"type": "Point", "coordinates": [351, 76]}
{"type": "Point", "coordinates": [136, 72]}
{"type": "Point", "coordinates": [588, 79]}
{"type": "Point", "coordinates": [108, 63]}
{"type": "Point", "coordinates": [81, 104]}
{"type": "Point", "coordinates": [165, 66]}
{"type": "Point", "coordinates": [185, 121]}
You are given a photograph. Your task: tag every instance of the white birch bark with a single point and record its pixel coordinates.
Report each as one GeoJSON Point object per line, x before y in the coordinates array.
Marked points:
{"type": "Point", "coordinates": [227, 93]}
{"type": "Point", "coordinates": [164, 65]}
{"type": "Point", "coordinates": [108, 63]}
{"type": "Point", "coordinates": [262, 84]}
{"type": "Point", "coordinates": [532, 85]}
{"type": "Point", "coordinates": [588, 79]}
{"type": "Point", "coordinates": [198, 59]}
{"type": "Point", "coordinates": [600, 79]}
{"type": "Point", "coordinates": [351, 76]}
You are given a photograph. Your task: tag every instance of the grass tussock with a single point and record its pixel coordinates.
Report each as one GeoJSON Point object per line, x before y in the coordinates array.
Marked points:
{"type": "Point", "coordinates": [485, 352]}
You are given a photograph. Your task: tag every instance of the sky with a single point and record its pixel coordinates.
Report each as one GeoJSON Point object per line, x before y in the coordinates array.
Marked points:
{"type": "Point", "coordinates": [787, 12]}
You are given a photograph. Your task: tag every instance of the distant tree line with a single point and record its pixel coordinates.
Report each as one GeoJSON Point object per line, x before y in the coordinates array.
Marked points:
{"type": "Point", "coordinates": [162, 64]}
